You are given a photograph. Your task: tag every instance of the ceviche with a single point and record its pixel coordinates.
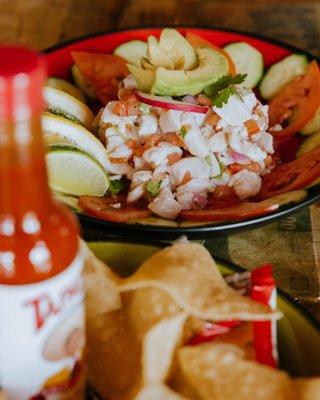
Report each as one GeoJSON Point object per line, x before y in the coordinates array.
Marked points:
{"type": "Point", "coordinates": [177, 128]}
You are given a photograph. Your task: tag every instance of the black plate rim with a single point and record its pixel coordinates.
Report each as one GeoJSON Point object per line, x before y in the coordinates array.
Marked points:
{"type": "Point", "coordinates": [197, 231]}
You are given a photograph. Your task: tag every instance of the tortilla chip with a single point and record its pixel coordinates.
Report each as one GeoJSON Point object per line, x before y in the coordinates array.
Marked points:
{"type": "Point", "coordinates": [159, 345]}
{"type": "Point", "coordinates": [219, 371]}
{"type": "Point", "coordinates": [158, 391]}
{"type": "Point", "coordinates": [187, 272]}
{"type": "Point", "coordinates": [115, 344]}
{"type": "Point", "coordinates": [308, 389]}
{"type": "Point", "coordinates": [102, 295]}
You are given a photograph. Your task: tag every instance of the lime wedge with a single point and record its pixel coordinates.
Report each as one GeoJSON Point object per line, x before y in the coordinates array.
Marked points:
{"type": "Point", "coordinates": [67, 87]}
{"type": "Point", "coordinates": [59, 130]}
{"type": "Point", "coordinates": [76, 172]}
{"type": "Point", "coordinates": [61, 103]}
{"type": "Point", "coordinates": [68, 200]}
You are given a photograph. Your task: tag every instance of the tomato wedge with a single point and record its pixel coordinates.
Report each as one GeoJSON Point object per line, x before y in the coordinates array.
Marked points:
{"type": "Point", "coordinates": [237, 212]}
{"type": "Point", "coordinates": [104, 208]}
{"type": "Point", "coordinates": [303, 95]}
{"type": "Point", "coordinates": [294, 175]}
{"type": "Point", "coordinates": [103, 71]}
{"type": "Point", "coordinates": [196, 40]}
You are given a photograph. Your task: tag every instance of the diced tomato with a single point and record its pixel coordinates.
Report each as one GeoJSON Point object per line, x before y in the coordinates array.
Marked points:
{"type": "Point", "coordinates": [173, 158]}
{"type": "Point", "coordinates": [234, 168]}
{"type": "Point", "coordinates": [222, 196]}
{"type": "Point", "coordinates": [103, 71]}
{"type": "Point", "coordinates": [120, 109]}
{"type": "Point", "coordinates": [204, 100]}
{"type": "Point", "coordinates": [236, 212]}
{"type": "Point", "coordinates": [187, 178]}
{"type": "Point", "coordinates": [212, 119]}
{"type": "Point", "coordinates": [303, 95]}
{"type": "Point", "coordinates": [196, 40]}
{"type": "Point", "coordinates": [103, 208]}
{"type": "Point", "coordinates": [252, 127]}
{"type": "Point", "coordinates": [118, 160]}
{"type": "Point", "coordinates": [290, 176]}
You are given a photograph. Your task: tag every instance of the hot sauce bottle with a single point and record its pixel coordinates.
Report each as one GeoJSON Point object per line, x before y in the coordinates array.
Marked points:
{"type": "Point", "coordinates": [41, 294]}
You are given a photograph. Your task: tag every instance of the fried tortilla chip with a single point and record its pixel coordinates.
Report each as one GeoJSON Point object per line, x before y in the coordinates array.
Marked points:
{"type": "Point", "coordinates": [187, 272]}
{"type": "Point", "coordinates": [158, 391]}
{"type": "Point", "coordinates": [121, 343]}
{"type": "Point", "coordinates": [158, 347]}
{"type": "Point", "coordinates": [102, 295]}
{"type": "Point", "coordinates": [220, 372]}
{"type": "Point", "coordinates": [308, 388]}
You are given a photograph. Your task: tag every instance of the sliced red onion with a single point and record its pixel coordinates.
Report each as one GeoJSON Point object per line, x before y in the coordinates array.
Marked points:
{"type": "Point", "coordinates": [240, 158]}
{"type": "Point", "coordinates": [189, 99]}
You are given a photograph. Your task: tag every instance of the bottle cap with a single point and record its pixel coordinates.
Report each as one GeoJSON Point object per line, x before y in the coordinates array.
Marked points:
{"type": "Point", "coordinates": [22, 75]}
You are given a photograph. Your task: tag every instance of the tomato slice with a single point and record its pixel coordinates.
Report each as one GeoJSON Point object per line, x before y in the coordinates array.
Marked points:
{"type": "Point", "coordinates": [103, 71]}
{"type": "Point", "coordinates": [196, 40]}
{"type": "Point", "coordinates": [294, 175]}
{"type": "Point", "coordinates": [104, 208]}
{"type": "Point", "coordinates": [303, 95]}
{"type": "Point", "coordinates": [237, 212]}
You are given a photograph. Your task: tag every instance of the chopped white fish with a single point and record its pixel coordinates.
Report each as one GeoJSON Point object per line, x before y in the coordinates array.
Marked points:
{"type": "Point", "coordinates": [170, 120]}
{"type": "Point", "coordinates": [245, 183]}
{"type": "Point", "coordinates": [158, 155]}
{"type": "Point", "coordinates": [235, 112]}
{"type": "Point", "coordinates": [137, 187]}
{"type": "Point", "coordinates": [109, 117]}
{"type": "Point", "coordinates": [136, 193]}
{"type": "Point", "coordinates": [223, 179]}
{"type": "Point", "coordinates": [246, 148]}
{"type": "Point", "coordinates": [265, 142]}
{"type": "Point", "coordinates": [193, 139]}
{"type": "Point", "coordinates": [165, 205]}
{"type": "Point", "coordinates": [140, 177]}
{"type": "Point", "coordinates": [130, 83]}
{"type": "Point", "coordinates": [148, 125]}
{"type": "Point", "coordinates": [197, 168]}
{"type": "Point", "coordinates": [249, 98]}
{"type": "Point", "coordinates": [139, 163]}
{"type": "Point", "coordinates": [218, 142]}
{"type": "Point", "coordinates": [193, 193]}
{"type": "Point", "coordinates": [121, 151]}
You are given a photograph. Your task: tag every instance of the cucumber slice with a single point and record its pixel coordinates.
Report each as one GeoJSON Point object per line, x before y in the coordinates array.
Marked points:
{"type": "Point", "coordinates": [132, 51]}
{"type": "Point", "coordinates": [247, 60]}
{"type": "Point", "coordinates": [282, 73]}
{"type": "Point", "coordinates": [66, 87]}
{"type": "Point", "coordinates": [82, 84]}
{"type": "Point", "coordinates": [313, 125]}
{"type": "Point", "coordinates": [76, 172]}
{"type": "Point", "coordinates": [309, 144]}
{"type": "Point", "coordinates": [68, 200]}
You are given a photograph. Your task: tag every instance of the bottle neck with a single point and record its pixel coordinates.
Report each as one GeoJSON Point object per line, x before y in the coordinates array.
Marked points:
{"type": "Point", "coordinates": [23, 177]}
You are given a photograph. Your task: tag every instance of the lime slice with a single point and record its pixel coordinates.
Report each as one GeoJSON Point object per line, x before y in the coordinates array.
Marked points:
{"type": "Point", "coordinates": [59, 130]}
{"type": "Point", "coordinates": [70, 201]}
{"type": "Point", "coordinates": [76, 172]}
{"type": "Point", "coordinates": [66, 87]}
{"type": "Point", "coordinates": [61, 103]}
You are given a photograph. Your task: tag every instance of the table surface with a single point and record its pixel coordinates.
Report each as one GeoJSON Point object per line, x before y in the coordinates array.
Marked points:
{"type": "Point", "coordinates": [43, 23]}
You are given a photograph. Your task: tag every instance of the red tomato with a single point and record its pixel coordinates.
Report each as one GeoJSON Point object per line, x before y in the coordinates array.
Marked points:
{"type": "Point", "coordinates": [196, 40]}
{"type": "Point", "coordinates": [303, 95]}
{"type": "Point", "coordinates": [236, 212]}
{"type": "Point", "coordinates": [294, 175]}
{"type": "Point", "coordinates": [103, 71]}
{"type": "Point", "coordinates": [101, 207]}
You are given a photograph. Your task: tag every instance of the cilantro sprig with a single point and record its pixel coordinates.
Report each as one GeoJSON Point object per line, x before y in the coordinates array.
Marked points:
{"type": "Point", "coordinates": [116, 186]}
{"type": "Point", "coordinates": [220, 91]}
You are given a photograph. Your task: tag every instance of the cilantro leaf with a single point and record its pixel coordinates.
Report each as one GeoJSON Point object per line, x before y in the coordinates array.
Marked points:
{"type": "Point", "coordinates": [153, 188]}
{"type": "Point", "coordinates": [183, 131]}
{"type": "Point", "coordinates": [220, 91]}
{"type": "Point", "coordinates": [116, 186]}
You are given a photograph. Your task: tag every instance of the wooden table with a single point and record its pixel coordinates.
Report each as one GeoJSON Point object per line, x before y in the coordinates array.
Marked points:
{"type": "Point", "coordinates": [42, 23]}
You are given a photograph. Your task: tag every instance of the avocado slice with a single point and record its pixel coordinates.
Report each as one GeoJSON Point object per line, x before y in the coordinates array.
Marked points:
{"type": "Point", "coordinates": [144, 77]}
{"type": "Point", "coordinates": [157, 56]}
{"type": "Point", "coordinates": [146, 64]}
{"type": "Point", "coordinates": [180, 50]}
{"type": "Point", "coordinates": [211, 66]}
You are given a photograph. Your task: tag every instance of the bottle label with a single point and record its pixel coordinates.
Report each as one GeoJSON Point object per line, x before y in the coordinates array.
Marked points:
{"type": "Point", "coordinates": [42, 337]}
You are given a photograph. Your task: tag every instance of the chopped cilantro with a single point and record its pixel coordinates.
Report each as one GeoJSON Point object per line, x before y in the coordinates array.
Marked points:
{"type": "Point", "coordinates": [220, 91]}
{"type": "Point", "coordinates": [183, 131]}
{"type": "Point", "coordinates": [208, 159]}
{"type": "Point", "coordinates": [116, 186]}
{"type": "Point", "coordinates": [153, 188]}
{"type": "Point", "coordinates": [144, 108]}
